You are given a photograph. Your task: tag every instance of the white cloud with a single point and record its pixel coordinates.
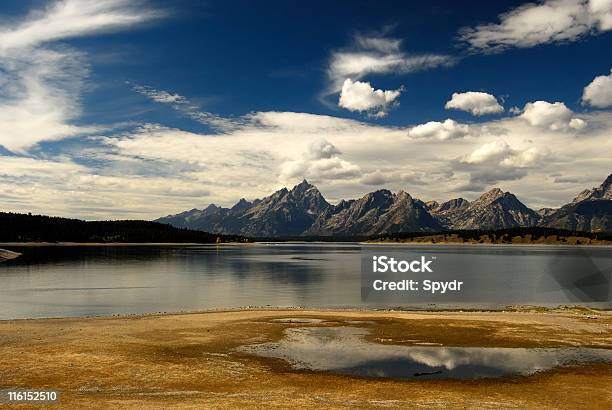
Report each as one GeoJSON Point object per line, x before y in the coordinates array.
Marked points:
{"type": "Point", "coordinates": [39, 97]}
{"type": "Point", "coordinates": [494, 150]}
{"type": "Point", "coordinates": [379, 43]}
{"type": "Point", "coordinates": [155, 170]}
{"type": "Point", "coordinates": [527, 158]}
{"type": "Point", "coordinates": [531, 24]}
{"type": "Point", "coordinates": [577, 124]}
{"type": "Point", "coordinates": [554, 116]}
{"type": "Point", "coordinates": [40, 84]}
{"type": "Point", "coordinates": [498, 153]}
{"type": "Point", "coordinates": [319, 162]}
{"type": "Point", "coordinates": [74, 18]}
{"type": "Point", "coordinates": [13, 166]}
{"type": "Point", "coordinates": [160, 96]}
{"type": "Point", "coordinates": [602, 11]}
{"type": "Point", "coordinates": [379, 178]}
{"type": "Point", "coordinates": [377, 55]}
{"type": "Point", "coordinates": [447, 130]}
{"type": "Point", "coordinates": [477, 103]}
{"type": "Point", "coordinates": [361, 96]}
{"type": "Point", "coordinates": [58, 186]}
{"type": "Point", "coordinates": [187, 108]}
{"type": "Point", "coordinates": [599, 92]}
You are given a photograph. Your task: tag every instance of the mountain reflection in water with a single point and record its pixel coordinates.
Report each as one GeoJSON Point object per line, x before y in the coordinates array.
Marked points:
{"type": "Point", "coordinates": [345, 350]}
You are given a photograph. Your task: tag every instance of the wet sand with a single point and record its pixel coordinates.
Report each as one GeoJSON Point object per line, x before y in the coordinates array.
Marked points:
{"type": "Point", "coordinates": [7, 255]}
{"type": "Point", "coordinates": [188, 360]}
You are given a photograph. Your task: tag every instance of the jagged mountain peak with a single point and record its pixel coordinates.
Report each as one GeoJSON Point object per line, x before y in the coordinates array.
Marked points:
{"type": "Point", "coordinates": [210, 209]}
{"type": "Point", "coordinates": [494, 209]}
{"type": "Point", "coordinates": [604, 191]}
{"type": "Point", "coordinates": [403, 195]}
{"type": "Point", "coordinates": [491, 196]}
{"type": "Point", "coordinates": [241, 205]}
{"type": "Point", "coordinates": [304, 211]}
{"type": "Point", "coordinates": [377, 212]}
{"type": "Point", "coordinates": [303, 187]}
{"type": "Point", "coordinates": [453, 204]}
{"type": "Point", "coordinates": [591, 210]}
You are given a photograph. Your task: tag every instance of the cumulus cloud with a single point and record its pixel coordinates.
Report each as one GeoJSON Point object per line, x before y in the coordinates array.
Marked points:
{"type": "Point", "coordinates": [320, 161]}
{"type": "Point", "coordinates": [361, 96]}
{"type": "Point", "coordinates": [153, 170]}
{"type": "Point", "coordinates": [377, 55]}
{"type": "Point", "coordinates": [40, 83]}
{"type": "Point", "coordinates": [554, 116]}
{"type": "Point", "coordinates": [501, 153]}
{"type": "Point", "coordinates": [599, 92]}
{"type": "Point", "coordinates": [491, 151]}
{"type": "Point", "coordinates": [498, 161]}
{"type": "Point", "coordinates": [531, 24]}
{"type": "Point", "coordinates": [476, 103]}
{"type": "Point", "coordinates": [447, 130]}
{"type": "Point", "coordinates": [527, 158]}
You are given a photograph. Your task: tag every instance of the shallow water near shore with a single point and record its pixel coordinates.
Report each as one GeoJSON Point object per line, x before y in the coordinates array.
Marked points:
{"type": "Point", "coordinates": [62, 281]}
{"type": "Point", "coordinates": [345, 350]}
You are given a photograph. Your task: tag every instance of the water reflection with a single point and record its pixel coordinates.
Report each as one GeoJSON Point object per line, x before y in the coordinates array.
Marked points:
{"type": "Point", "coordinates": [57, 281]}
{"type": "Point", "coordinates": [345, 350]}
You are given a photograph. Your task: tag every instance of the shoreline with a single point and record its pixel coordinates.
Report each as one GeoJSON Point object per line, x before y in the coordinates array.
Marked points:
{"type": "Point", "coordinates": [534, 309]}
{"type": "Point", "coordinates": [475, 244]}
{"type": "Point", "coordinates": [117, 244]}
{"type": "Point", "coordinates": [6, 255]}
{"type": "Point", "coordinates": [194, 360]}
{"type": "Point", "coordinates": [377, 243]}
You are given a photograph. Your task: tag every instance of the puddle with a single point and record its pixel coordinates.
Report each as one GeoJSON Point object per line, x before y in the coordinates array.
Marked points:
{"type": "Point", "coordinates": [298, 320]}
{"type": "Point", "coordinates": [345, 350]}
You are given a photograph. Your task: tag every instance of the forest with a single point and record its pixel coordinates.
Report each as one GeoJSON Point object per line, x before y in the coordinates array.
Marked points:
{"type": "Point", "coordinates": [15, 227]}
{"type": "Point", "coordinates": [501, 236]}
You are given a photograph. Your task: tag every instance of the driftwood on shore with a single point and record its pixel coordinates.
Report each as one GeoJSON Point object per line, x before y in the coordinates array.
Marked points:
{"type": "Point", "coordinates": [6, 255]}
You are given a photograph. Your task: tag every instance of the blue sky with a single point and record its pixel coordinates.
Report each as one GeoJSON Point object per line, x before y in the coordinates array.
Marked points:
{"type": "Point", "coordinates": [236, 57]}
{"type": "Point", "coordinates": [123, 108]}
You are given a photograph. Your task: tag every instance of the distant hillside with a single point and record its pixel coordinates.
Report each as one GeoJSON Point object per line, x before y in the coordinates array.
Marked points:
{"type": "Point", "coordinates": [39, 228]}
{"type": "Point", "coordinates": [529, 235]}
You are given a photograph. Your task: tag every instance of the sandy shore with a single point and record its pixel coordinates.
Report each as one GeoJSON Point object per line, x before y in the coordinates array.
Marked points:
{"type": "Point", "coordinates": [7, 255]}
{"type": "Point", "coordinates": [187, 360]}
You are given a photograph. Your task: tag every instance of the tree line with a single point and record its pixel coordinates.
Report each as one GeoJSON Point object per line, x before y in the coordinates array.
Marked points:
{"type": "Point", "coordinates": [15, 227]}
{"type": "Point", "coordinates": [501, 234]}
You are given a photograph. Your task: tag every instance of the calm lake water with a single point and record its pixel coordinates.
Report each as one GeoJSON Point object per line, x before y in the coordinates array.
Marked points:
{"type": "Point", "coordinates": [84, 281]}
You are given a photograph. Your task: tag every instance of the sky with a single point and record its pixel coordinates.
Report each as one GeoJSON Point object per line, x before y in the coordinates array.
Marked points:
{"type": "Point", "coordinates": [138, 109]}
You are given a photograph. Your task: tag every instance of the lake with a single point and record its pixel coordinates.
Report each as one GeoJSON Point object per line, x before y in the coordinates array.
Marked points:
{"type": "Point", "coordinates": [60, 281]}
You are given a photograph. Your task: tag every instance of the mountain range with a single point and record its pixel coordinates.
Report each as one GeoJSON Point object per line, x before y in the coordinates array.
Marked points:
{"type": "Point", "coordinates": [303, 211]}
